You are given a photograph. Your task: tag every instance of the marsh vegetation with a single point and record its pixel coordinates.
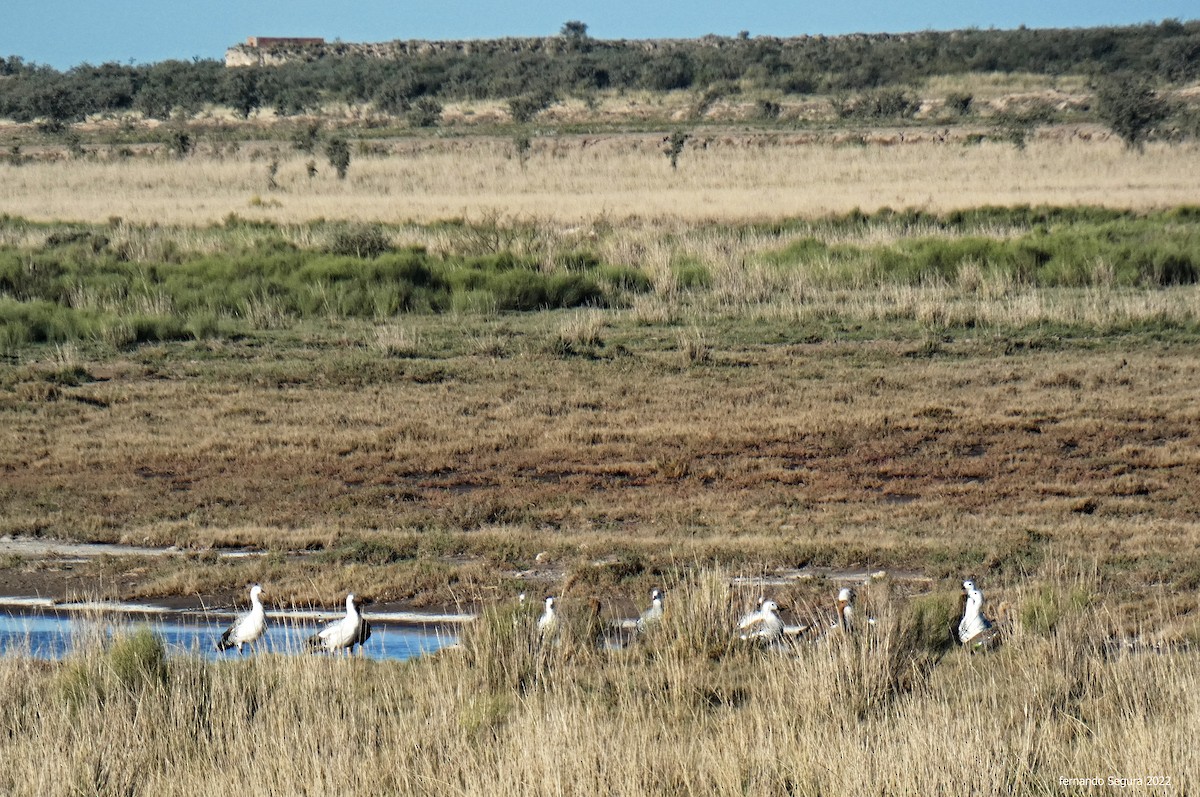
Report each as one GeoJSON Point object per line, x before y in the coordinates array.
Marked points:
{"type": "Point", "coordinates": [577, 363]}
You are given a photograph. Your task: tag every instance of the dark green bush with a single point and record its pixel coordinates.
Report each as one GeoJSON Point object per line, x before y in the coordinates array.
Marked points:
{"type": "Point", "coordinates": [1131, 107]}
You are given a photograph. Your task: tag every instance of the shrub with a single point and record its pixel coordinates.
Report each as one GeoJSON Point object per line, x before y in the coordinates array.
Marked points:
{"type": "Point", "coordinates": [527, 106]}
{"type": "Point", "coordinates": [674, 146]}
{"type": "Point", "coordinates": [362, 240]}
{"type": "Point", "coordinates": [425, 112]}
{"type": "Point", "coordinates": [1131, 107]}
{"type": "Point", "coordinates": [959, 102]}
{"type": "Point", "coordinates": [886, 103]}
{"type": "Point", "coordinates": [304, 138]}
{"type": "Point", "coordinates": [180, 143]}
{"type": "Point", "coordinates": [1018, 124]}
{"type": "Point", "coordinates": [769, 109]}
{"type": "Point", "coordinates": [338, 152]}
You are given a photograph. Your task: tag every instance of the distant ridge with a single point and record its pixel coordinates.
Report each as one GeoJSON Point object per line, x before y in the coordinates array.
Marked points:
{"type": "Point", "coordinates": [273, 51]}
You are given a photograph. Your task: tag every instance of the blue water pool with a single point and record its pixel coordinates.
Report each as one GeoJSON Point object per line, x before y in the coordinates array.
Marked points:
{"type": "Point", "coordinates": [51, 635]}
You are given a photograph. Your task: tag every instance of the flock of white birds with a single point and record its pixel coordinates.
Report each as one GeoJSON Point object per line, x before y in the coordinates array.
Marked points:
{"type": "Point", "coordinates": [763, 624]}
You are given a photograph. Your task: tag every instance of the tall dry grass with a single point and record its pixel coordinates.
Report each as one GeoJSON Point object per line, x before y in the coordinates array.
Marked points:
{"type": "Point", "coordinates": [619, 178]}
{"type": "Point", "coordinates": [681, 712]}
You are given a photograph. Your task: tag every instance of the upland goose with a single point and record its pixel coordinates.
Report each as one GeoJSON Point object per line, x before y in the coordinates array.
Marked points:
{"type": "Point", "coordinates": [548, 622]}
{"type": "Point", "coordinates": [765, 624]}
{"type": "Point", "coordinates": [343, 634]}
{"type": "Point", "coordinates": [654, 613]}
{"type": "Point", "coordinates": [974, 629]}
{"type": "Point", "coordinates": [247, 628]}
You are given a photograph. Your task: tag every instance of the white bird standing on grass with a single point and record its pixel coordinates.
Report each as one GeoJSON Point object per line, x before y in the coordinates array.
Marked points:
{"type": "Point", "coordinates": [547, 624]}
{"type": "Point", "coordinates": [845, 605]}
{"type": "Point", "coordinates": [975, 630]}
{"type": "Point", "coordinates": [247, 628]}
{"type": "Point", "coordinates": [765, 624]}
{"type": "Point", "coordinates": [344, 634]}
{"type": "Point", "coordinates": [654, 613]}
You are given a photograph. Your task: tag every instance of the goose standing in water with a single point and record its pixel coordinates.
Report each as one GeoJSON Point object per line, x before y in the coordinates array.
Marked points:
{"type": "Point", "coordinates": [654, 613]}
{"type": "Point", "coordinates": [247, 628]}
{"type": "Point", "coordinates": [343, 634]}
{"type": "Point", "coordinates": [974, 629]}
{"type": "Point", "coordinates": [765, 624]}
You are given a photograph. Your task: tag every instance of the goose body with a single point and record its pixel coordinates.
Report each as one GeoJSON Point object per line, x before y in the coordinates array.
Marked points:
{"type": "Point", "coordinates": [548, 622]}
{"type": "Point", "coordinates": [343, 634]}
{"type": "Point", "coordinates": [765, 624]}
{"type": "Point", "coordinates": [654, 613]}
{"type": "Point", "coordinates": [749, 618]}
{"type": "Point", "coordinates": [247, 628]}
{"type": "Point", "coordinates": [845, 609]}
{"type": "Point", "coordinates": [974, 629]}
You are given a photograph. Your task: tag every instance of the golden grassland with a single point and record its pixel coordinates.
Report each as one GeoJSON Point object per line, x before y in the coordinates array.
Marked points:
{"type": "Point", "coordinates": [683, 711]}
{"type": "Point", "coordinates": [620, 179]}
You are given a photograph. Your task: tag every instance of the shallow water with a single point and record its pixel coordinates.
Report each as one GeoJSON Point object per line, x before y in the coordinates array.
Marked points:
{"type": "Point", "coordinates": [51, 636]}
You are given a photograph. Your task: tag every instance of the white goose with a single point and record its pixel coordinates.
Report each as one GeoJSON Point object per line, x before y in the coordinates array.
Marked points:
{"type": "Point", "coordinates": [765, 624]}
{"type": "Point", "coordinates": [845, 609]}
{"type": "Point", "coordinates": [750, 617]}
{"type": "Point", "coordinates": [343, 634]}
{"type": "Point", "coordinates": [547, 624]}
{"type": "Point", "coordinates": [654, 613]}
{"type": "Point", "coordinates": [247, 628]}
{"type": "Point", "coordinates": [975, 630]}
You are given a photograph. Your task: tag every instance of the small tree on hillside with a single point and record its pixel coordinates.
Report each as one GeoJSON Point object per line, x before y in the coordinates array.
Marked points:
{"type": "Point", "coordinates": [338, 152]}
{"type": "Point", "coordinates": [1131, 107]}
{"type": "Point", "coordinates": [675, 147]}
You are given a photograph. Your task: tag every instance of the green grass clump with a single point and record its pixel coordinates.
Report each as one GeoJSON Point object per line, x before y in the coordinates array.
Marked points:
{"type": "Point", "coordinates": [1118, 252]}
{"type": "Point", "coordinates": [133, 661]}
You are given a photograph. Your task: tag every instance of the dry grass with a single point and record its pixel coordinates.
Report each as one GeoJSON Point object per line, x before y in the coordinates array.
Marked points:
{"type": "Point", "coordinates": [575, 180]}
{"type": "Point", "coordinates": [680, 713]}
{"type": "Point", "coordinates": [772, 437]}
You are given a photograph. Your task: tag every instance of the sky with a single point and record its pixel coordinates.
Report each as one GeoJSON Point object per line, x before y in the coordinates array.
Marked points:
{"type": "Point", "coordinates": [66, 33]}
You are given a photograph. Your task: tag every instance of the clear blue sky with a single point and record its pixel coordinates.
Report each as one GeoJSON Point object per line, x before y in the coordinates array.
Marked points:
{"type": "Point", "coordinates": [65, 33]}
